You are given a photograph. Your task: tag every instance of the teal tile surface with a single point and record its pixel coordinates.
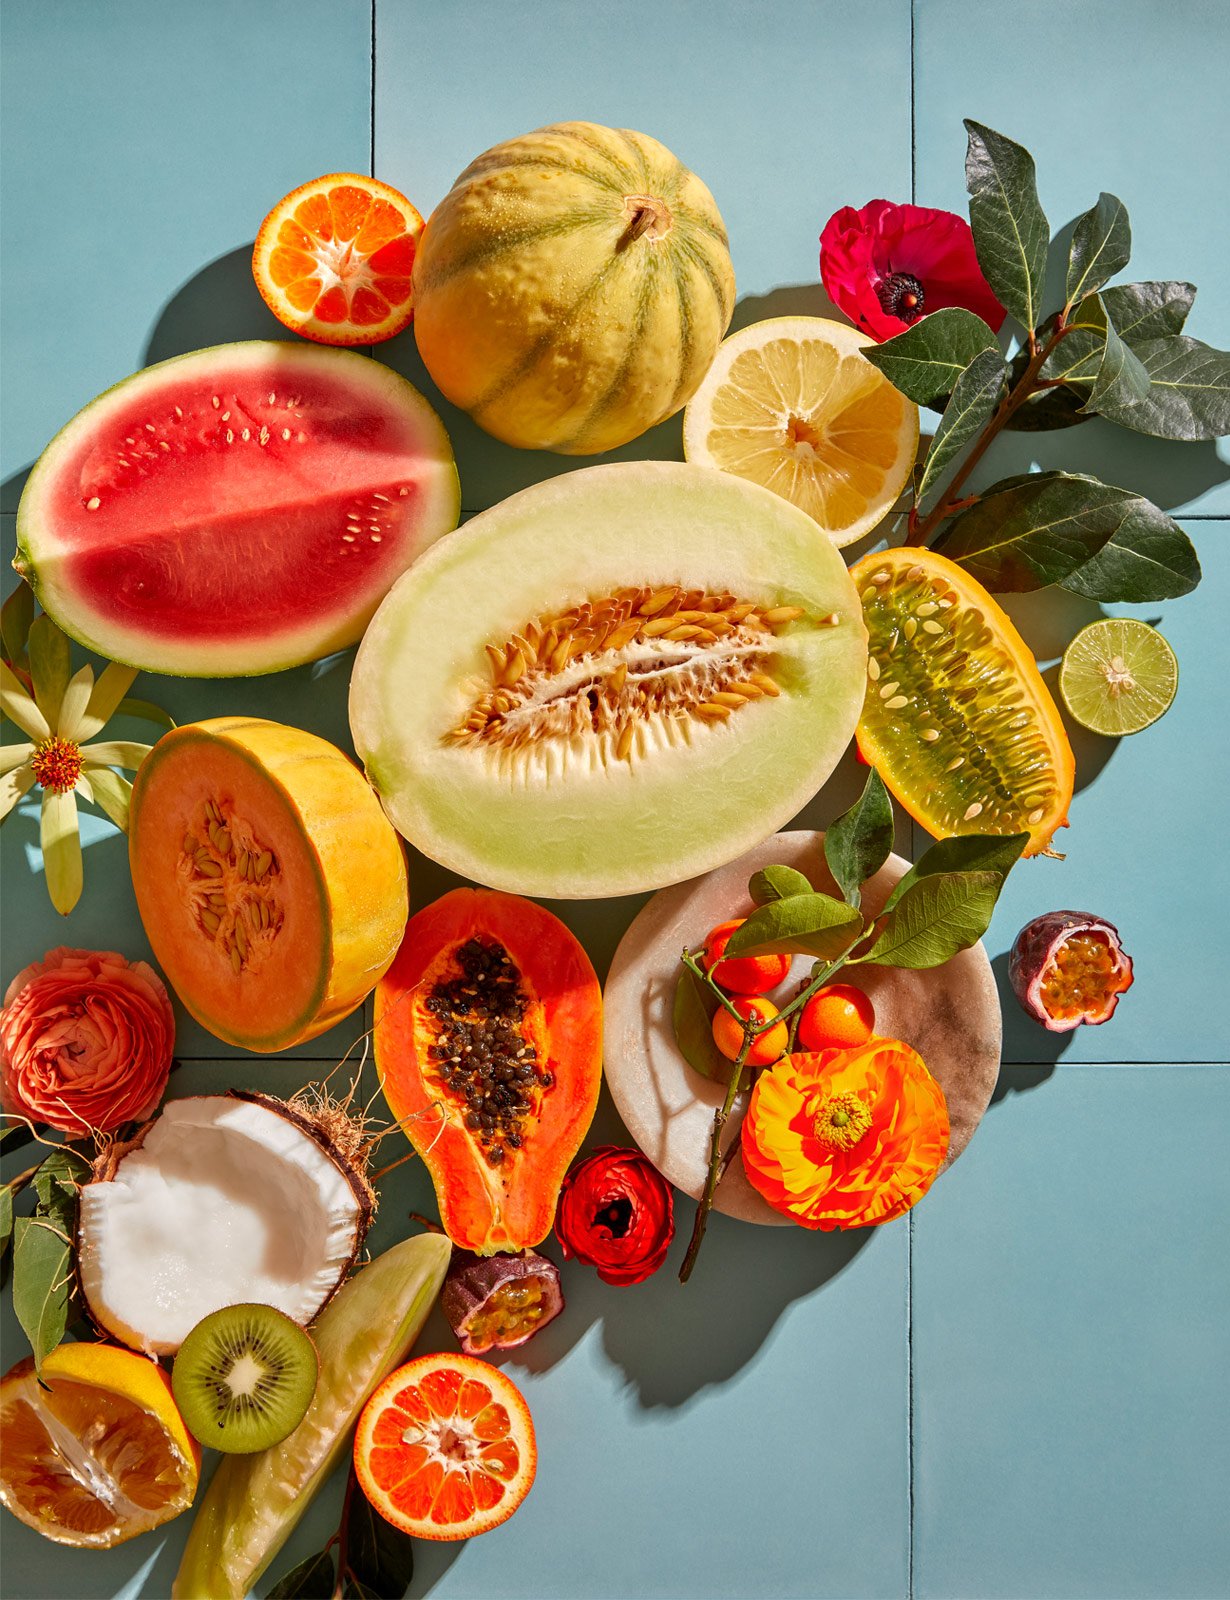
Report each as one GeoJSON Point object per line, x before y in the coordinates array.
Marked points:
{"type": "Point", "coordinates": [144, 143]}
{"type": "Point", "coordinates": [1070, 1307]}
{"type": "Point", "coordinates": [767, 103]}
{"type": "Point", "coordinates": [1123, 95]}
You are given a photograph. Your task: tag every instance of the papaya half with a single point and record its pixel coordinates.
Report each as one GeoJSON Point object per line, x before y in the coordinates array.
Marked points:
{"type": "Point", "coordinates": [488, 1043]}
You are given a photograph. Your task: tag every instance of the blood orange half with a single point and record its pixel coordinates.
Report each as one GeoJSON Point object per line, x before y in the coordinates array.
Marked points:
{"type": "Point", "coordinates": [333, 259]}
{"type": "Point", "coordinates": [445, 1448]}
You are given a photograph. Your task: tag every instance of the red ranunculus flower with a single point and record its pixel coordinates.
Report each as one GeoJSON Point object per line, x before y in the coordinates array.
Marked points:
{"type": "Point", "coordinates": [85, 1041]}
{"type": "Point", "coordinates": [616, 1212]}
{"type": "Point", "coordinates": [886, 265]}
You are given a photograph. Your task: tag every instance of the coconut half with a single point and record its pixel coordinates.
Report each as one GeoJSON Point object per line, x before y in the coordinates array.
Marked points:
{"type": "Point", "coordinates": [221, 1200]}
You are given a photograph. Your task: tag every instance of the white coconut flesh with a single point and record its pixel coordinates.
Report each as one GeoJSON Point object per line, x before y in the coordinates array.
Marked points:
{"type": "Point", "coordinates": [610, 759]}
{"type": "Point", "coordinates": [224, 1202]}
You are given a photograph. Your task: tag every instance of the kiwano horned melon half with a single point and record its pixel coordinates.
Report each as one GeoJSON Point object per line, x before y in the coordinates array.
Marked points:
{"type": "Point", "coordinates": [489, 1048]}
{"type": "Point", "coordinates": [237, 510]}
{"type": "Point", "coordinates": [272, 889]}
{"type": "Point", "coordinates": [613, 680]}
{"type": "Point", "coordinates": [572, 288]}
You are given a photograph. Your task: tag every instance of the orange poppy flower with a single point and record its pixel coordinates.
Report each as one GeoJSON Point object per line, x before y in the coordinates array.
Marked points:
{"type": "Point", "coordinates": [846, 1138]}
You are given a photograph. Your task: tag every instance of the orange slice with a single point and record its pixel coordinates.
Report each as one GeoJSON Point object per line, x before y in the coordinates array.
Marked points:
{"type": "Point", "coordinates": [333, 259]}
{"type": "Point", "coordinates": [100, 1453]}
{"type": "Point", "coordinates": [445, 1448]}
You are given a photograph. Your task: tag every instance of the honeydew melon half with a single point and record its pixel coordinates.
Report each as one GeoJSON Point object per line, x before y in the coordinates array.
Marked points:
{"type": "Point", "coordinates": [238, 510]}
{"type": "Point", "coordinates": [611, 681]}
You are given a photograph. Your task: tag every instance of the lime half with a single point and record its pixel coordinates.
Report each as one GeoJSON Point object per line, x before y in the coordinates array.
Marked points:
{"type": "Point", "coordinates": [1118, 675]}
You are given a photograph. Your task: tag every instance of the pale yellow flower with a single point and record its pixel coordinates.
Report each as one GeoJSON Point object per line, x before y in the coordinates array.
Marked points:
{"type": "Point", "coordinates": [65, 711]}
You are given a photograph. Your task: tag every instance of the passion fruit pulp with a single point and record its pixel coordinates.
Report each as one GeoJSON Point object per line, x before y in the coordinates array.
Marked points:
{"type": "Point", "coordinates": [1068, 968]}
{"type": "Point", "coordinates": [499, 1302]}
{"type": "Point", "coordinates": [956, 718]}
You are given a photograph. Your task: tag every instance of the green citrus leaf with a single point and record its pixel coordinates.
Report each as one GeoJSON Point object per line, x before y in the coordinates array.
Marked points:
{"type": "Point", "coordinates": [378, 1556]}
{"type": "Point", "coordinates": [968, 852]}
{"type": "Point", "coordinates": [1101, 246]}
{"type": "Point", "coordinates": [1149, 557]}
{"type": "Point", "coordinates": [926, 360]}
{"type": "Point", "coordinates": [1188, 395]}
{"type": "Point", "coordinates": [935, 918]}
{"type": "Point", "coordinates": [1121, 378]}
{"type": "Point", "coordinates": [6, 1217]}
{"type": "Point", "coordinates": [816, 924]}
{"type": "Point", "coordinates": [1150, 310]}
{"type": "Point", "coordinates": [858, 843]}
{"type": "Point", "coordinates": [974, 397]}
{"type": "Point", "coordinates": [1011, 234]}
{"type": "Point", "coordinates": [695, 1004]}
{"type": "Point", "coordinates": [776, 883]}
{"type": "Point", "coordinates": [312, 1579]}
{"type": "Point", "coordinates": [42, 1277]}
{"type": "Point", "coordinates": [1035, 530]}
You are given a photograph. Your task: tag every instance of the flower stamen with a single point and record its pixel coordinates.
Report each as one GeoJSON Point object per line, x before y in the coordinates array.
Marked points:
{"type": "Point", "coordinates": [901, 295]}
{"type": "Point", "coordinates": [57, 764]}
{"type": "Point", "coordinates": [841, 1121]}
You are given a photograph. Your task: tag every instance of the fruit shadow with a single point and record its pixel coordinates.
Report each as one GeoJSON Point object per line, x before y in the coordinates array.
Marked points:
{"type": "Point", "coordinates": [1027, 1046]}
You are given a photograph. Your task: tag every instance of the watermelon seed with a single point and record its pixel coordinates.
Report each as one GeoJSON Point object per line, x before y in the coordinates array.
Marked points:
{"type": "Point", "coordinates": [285, 434]}
{"type": "Point", "coordinates": [217, 402]}
{"type": "Point", "coordinates": [93, 503]}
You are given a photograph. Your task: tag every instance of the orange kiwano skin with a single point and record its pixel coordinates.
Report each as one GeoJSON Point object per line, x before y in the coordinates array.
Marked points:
{"type": "Point", "coordinates": [846, 1138]}
{"type": "Point", "coordinates": [333, 260]}
{"type": "Point", "coordinates": [837, 1016]}
{"type": "Point", "coordinates": [529, 1008]}
{"type": "Point", "coordinates": [728, 1035]}
{"type": "Point", "coordinates": [128, 1437]}
{"type": "Point", "coordinates": [271, 885]}
{"type": "Point", "coordinates": [445, 1448]}
{"type": "Point", "coordinates": [742, 974]}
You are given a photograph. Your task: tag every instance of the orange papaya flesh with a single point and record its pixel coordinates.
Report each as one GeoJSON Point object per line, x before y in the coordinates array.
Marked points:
{"type": "Point", "coordinates": [271, 887]}
{"type": "Point", "coordinates": [492, 1011]}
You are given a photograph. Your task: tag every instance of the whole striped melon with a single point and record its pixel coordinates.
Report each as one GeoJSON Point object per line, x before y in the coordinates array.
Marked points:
{"type": "Point", "coordinates": [572, 288]}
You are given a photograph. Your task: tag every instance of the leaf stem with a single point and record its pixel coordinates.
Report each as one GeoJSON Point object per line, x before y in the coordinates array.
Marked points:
{"type": "Point", "coordinates": [921, 529]}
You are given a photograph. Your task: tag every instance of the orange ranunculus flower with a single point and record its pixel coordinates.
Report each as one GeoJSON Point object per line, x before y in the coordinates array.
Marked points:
{"type": "Point", "coordinates": [845, 1138]}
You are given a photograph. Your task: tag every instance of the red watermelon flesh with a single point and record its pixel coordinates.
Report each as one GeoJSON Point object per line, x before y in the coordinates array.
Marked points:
{"type": "Point", "coordinates": [237, 510]}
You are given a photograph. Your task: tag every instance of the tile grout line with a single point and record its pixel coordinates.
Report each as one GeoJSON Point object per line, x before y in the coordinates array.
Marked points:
{"type": "Point", "coordinates": [371, 150]}
{"type": "Point", "coordinates": [909, 1256]}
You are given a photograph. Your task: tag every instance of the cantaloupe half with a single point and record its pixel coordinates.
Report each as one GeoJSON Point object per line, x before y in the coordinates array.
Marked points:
{"type": "Point", "coordinates": [271, 886]}
{"type": "Point", "coordinates": [611, 681]}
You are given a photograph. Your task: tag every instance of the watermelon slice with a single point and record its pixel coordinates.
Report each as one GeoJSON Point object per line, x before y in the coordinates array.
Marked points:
{"type": "Point", "coordinates": [237, 510]}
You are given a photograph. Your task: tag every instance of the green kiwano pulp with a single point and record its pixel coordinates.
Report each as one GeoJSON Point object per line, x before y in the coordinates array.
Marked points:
{"type": "Point", "coordinates": [255, 1501]}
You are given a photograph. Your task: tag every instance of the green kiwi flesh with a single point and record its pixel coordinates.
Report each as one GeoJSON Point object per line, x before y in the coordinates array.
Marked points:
{"type": "Point", "coordinates": [244, 1378]}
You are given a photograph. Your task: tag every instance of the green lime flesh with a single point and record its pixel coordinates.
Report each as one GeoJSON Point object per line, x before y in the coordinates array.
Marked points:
{"type": "Point", "coordinates": [244, 1377]}
{"type": "Point", "coordinates": [1118, 676]}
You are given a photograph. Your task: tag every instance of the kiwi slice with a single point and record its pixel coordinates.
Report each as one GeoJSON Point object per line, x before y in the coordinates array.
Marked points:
{"type": "Point", "coordinates": [244, 1377]}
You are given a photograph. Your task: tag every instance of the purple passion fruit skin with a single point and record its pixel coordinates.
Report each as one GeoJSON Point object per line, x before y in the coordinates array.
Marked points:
{"type": "Point", "coordinates": [1068, 968]}
{"type": "Point", "coordinates": [498, 1302]}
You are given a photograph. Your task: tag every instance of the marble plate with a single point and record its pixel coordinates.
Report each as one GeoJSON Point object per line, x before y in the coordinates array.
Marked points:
{"type": "Point", "coordinates": [950, 1014]}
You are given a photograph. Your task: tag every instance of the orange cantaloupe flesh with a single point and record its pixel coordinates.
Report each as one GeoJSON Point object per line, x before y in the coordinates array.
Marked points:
{"type": "Point", "coordinates": [337, 891]}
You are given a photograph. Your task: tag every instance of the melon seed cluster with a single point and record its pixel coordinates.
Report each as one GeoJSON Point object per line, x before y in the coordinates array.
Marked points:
{"type": "Point", "coordinates": [481, 1051]}
{"type": "Point", "coordinates": [228, 879]}
{"type": "Point", "coordinates": [608, 664]}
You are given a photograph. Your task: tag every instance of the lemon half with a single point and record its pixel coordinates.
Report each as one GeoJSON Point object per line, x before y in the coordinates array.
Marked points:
{"type": "Point", "coordinates": [794, 405]}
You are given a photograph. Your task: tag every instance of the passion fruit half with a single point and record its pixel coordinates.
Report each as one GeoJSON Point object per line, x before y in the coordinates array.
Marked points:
{"type": "Point", "coordinates": [499, 1302]}
{"type": "Point", "coordinates": [1069, 967]}
{"type": "Point", "coordinates": [956, 718]}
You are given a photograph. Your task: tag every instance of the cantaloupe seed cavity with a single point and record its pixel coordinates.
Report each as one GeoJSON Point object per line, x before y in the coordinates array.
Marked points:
{"type": "Point", "coordinates": [924, 639]}
{"type": "Point", "coordinates": [484, 1057]}
{"type": "Point", "coordinates": [596, 682]}
{"type": "Point", "coordinates": [228, 879]}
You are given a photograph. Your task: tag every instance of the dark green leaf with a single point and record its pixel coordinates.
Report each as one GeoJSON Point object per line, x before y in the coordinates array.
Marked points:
{"type": "Point", "coordinates": [1046, 410]}
{"type": "Point", "coordinates": [1101, 246]}
{"type": "Point", "coordinates": [1148, 558]}
{"type": "Point", "coordinates": [378, 1556]}
{"type": "Point", "coordinates": [974, 397]}
{"type": "Point", "coordinates": [356, 1590]}
{"type": "Point", "coordinates": [41, 1283]}
{"type": "Point", "coordinates": [1035, 531]}
{"type": "Point", "coordinates": [1011, 234]}
{"type": "Point", "coordinates": [1152, 310]}
{"type": "Point", "coordinates": [1188, 395]}
{"type": "Point", "coordinates": [312, 1579]}
{"type": "Point", "coordinates": [776, 883]}
{"type": "Point", "coordinates": [6, 1217]}
{"type": "Point", "coordinates": [937, 916]}
{"type": "Point", "coordinates": [695, 1004]}
{"type": "Point", "coordinates": [926, 360]}
{"type": "Point", "coordinates": [1121, 378]}
{"type": "Point", "coordinates": [16, 615]}
{"type": "Point", "coordinates": [146, 710]}
{"type": "Point", "coordinates": [858, 843]}
{"type": "Point", "coordinates": [816, 924]}
{"type": "Point", "coordinates": [967, 852]}
{"type": "Point", "coordinates": [57, 1184]}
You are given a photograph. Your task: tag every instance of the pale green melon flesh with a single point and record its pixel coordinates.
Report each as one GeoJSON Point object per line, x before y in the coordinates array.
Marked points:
{"type": "Point", "coordinates": [570, 821]}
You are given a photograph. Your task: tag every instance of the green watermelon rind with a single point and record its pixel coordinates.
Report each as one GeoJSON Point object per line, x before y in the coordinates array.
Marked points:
{"type": "Point", "coordinates": [436, 446]}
